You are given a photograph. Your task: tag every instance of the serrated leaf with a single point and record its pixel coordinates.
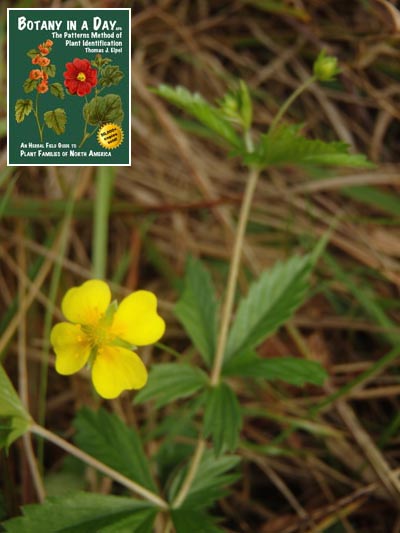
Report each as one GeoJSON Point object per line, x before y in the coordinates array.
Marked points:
{"type": "Point", "coordinates": [186, 520]}
{"type": "Point", "coordinates": [50, 70]}
{"type": "Point", "coordinates": [197, 309]}
{"type": "Point", "coordinates": [22, 109]}
{"type": "Point", "coordinates": [111, 75]}
{"type": "Point", "coordinates": [213, 475]}
{"type": "Point", "coordinates": [104, 436]}
{"type": "Point", "coordinates": [14, 419]}
{"type": "Point", "coordinates": [32, 53]}
{"type": "Point", "coordinates": [103, 109]}
{"type": "Point", "coordinates": [222, 418]}
{"type": "Point", "coordinates": [271, 301]}
{"type": "Point", "coordinates": [30, 85]}
{"type": "Point", "coordinates": [57, 90]}
{"type": "Point", "coordinates": [139, 522]}
{"type": "Point", "coordinates": [285, 145]}
{"type": "Point", "coordinates": [170, 381]}
{"type": "Point", "coordinates": [56, 120]}
{"type": "Point", "coordinates": [76, 513]}
{"type": "Point", "coordinates": [288, 369]}
{"type": "Point", "coordinates": [195, 105]}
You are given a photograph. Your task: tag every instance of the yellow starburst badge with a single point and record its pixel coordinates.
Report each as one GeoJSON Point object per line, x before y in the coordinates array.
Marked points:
{"type": "Point", "coordinates": [110, 136]}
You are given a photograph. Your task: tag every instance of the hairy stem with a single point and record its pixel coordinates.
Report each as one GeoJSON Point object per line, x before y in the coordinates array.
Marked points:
{"type": "Point", "coordinates": [101, 467]}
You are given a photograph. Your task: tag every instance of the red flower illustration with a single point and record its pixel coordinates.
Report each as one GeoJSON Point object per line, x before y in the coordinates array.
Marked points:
{"type": "Point", "coordinates": [80, 77]}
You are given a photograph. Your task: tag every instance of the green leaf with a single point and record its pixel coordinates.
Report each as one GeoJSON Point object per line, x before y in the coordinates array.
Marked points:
{"type": "Point", "coordinates": [186, 520]}
{"type": "Point", "coordinates": [170, 381]}
{"type": "Point", "coordinates": [22, 109]}
{"type": "Point", "coordinates": [288, 369]}
{"type": "Point", "coordinates": [197, 309]}
{"type": "Point", "coordinates": [14, 419]}
{"type": "Point", "coordinates": [50, 70]}
{"type": "Point", "coordinates": [58, 90]}
{"type": "Point", "coordinates": [56, 120]}
{"type": "Point", "coordinates": [111, 75]}
{"type": "Point", "coordinates": [285, 145]}
{"type": "Point", "coordinates": [30, 85]}
{"type": "Point", "coordinates": [99, 61]}
{"type": "Point", "coordinates": [198, 107]}
{"type": "Point", "coordinates": [139, 522]}
{"type": "Point", "coordinates": [79, 512]}
{"type": "Point", "coordinates": [104, 436]}
{"type": "Point", "coordinates": [32, 53]}
{"type": "Point", "coordinates": [271, 301]}
{"type": "Point", "coordinates": [222, 418]}
{"type": "Point", "coordinates": [213, 475]}
{"type": "Point", "coordinates": [103, 109]}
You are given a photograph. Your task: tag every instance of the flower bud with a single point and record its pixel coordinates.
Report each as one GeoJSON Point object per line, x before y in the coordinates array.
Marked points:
{"type": "Point", "coordinates": [325, 67]}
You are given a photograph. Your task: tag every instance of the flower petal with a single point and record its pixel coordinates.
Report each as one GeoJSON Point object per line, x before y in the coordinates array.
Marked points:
{"type": "Point", "coordinates": [116, 369]}
{"type": "Point", "coordinates": [72, 350]}
{"type": "Point", "coordinates": [87, 303]}
{"type": "Point", "coordinates": [136, 320]}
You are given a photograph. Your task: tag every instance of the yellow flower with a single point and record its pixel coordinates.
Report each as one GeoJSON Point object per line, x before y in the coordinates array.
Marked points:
{"type": "Point", "coordinates": [103, 334]}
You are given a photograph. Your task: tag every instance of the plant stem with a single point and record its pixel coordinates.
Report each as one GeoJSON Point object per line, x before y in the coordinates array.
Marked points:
{"type": "Point", "coordinates": [36, 113]}
{"type": "Point", "coordinates": [91, 461]}
{"type": "Point", "coordinates": [191, 473]}
{"type": "Point", "coordinates": [104, 188]}
{"type": "Point", "coordinates": [285, 106]}
{"type": "Point", "coordinates": [225, 321]}
{"type": "Point", "coordinates": [233, 274]}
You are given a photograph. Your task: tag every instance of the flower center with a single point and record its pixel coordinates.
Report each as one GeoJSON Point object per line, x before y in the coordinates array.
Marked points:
{"type": "Point", "coordinates": [81, 76]}
{"type": "Point", "coordinates": [97, 335]}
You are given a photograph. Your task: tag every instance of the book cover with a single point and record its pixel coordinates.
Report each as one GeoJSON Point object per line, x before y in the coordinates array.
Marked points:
{"type": "Point", "coordinates": [69, 79]}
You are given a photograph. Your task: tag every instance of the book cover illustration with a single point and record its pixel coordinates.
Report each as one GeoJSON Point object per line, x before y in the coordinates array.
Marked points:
{"type": "Point", "coordinates": [69, 87]}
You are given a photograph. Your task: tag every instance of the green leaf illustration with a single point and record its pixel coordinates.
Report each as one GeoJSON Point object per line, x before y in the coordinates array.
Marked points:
{"type": "Point", "coordinates": [111, 75]}
{"type": "Point", "coordinates": [58, 90]}
{"type": "Point", "coordinates": [170, 381]}
{"type": "Point", "coordinates": [222, 418]}
{"type": "Point", "coordinates": [271, 300]}
{"type": "Point", "coordinates": [197, 309]}
{"type": "Point", "coordinates": [81, 512]}
{"type": "Point", "coordinates": [32, 53]}
{"type": "Point", "coordinates": [50, 70]}
{"type": "Point", "coordinates": [103, 109]}
{"type": "Point", "coordinates": [100, 61]}
{"type": "Point", "coordinates": [109, 440]}
{"type": "Point", "coordinates": [22, 109]}
{"type": "Point", "coordinates": [56, 120]}
{"type": "Point", "coordinates": [30, 85]}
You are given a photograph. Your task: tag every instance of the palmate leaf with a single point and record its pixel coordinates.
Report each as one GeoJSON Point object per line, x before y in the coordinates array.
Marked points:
{"type": "Point", "coordinates": [197, 309]}
{"type": "Point", "coordinates": [271, 301]}
{"type": "Point", "coordinates": [103, 109]}
{"type": "Point", "coordinates": [170, 381]}
{"type": "Point", "coordinates": [22, 109]}
{"type": "Point", "coordinates": [81, 512]}
{"type": "Point", "coordinates": [288, 369]}
{"type": "Point", "coordinates": [196, 106]}
{"type": "Point", "coordinates": [222, 418]}
{"type": "Point", "coordinates": [213, 475]}
{"type": "Point", "coordinates": [14, 419]}
{"type": "Point", "coordinates": [56, 120]}
{"type": "Point", "coordinates": [58, 90]}
{"type": "Point", "coordinates": [285, 145]}
{"type": "Point", "coordinates": [104, 436]}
